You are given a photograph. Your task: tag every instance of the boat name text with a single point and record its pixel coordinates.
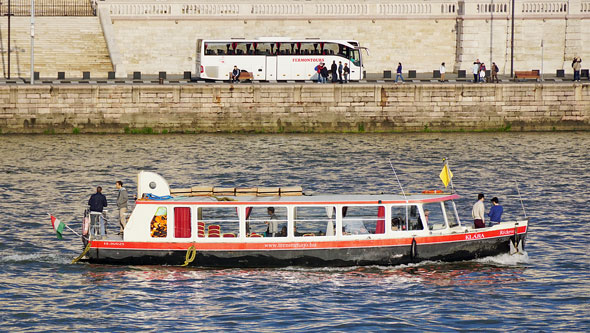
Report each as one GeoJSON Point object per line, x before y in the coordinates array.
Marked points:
{"type": "Point", "coordinates": [475, 236]}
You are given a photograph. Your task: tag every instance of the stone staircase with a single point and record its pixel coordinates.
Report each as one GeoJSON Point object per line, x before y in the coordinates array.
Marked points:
{"type": "Point", "coordinates": [62, 44]}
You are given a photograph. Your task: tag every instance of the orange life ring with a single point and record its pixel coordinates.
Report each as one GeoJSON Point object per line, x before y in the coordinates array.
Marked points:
{"type": "Point", "coordinates": [432, 192]}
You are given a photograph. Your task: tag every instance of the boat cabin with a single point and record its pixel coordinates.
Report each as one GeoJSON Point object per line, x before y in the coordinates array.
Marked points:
{"type": "Point", "coordinates": [159, 217]}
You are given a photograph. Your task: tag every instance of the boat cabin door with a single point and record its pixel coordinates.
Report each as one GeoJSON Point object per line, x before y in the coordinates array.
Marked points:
{"type": "Point", "coordinates": [271, 68]}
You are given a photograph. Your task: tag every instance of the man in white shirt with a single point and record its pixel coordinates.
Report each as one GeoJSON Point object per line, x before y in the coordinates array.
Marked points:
{"type": "Point", "coordinates": [273, 224]}
{"type": "Point", "coordinates": [442, 72]}
{"type": "Point", "coordinates": [478, 212]}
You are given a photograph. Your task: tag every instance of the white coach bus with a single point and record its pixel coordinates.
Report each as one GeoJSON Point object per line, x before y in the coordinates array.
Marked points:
{"type": "Point", "coordinates": [270, 59]}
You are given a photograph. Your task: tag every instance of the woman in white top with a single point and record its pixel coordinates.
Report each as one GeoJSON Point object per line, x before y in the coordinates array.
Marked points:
{"type": "Point", "coordinates": [442, 72]}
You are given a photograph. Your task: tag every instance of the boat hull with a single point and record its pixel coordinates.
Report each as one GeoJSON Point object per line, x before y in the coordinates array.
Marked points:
{"type": "Point", "coordinates": [411, 250]}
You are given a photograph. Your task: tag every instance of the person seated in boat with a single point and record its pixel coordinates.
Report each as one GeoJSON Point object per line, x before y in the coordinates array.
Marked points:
{"type": "Point", "coordinates": [495, 213]}
{"type": "Point", "coordinates": [283, 232]}
{"type": "Point", "coordinates": [297, 233]}
{"type": "Point", "coordinates": [426, 215]}
{"type": "Point", "coordinates": [478, 211]}
{"type": "Point", "coordinates": [273, 225]}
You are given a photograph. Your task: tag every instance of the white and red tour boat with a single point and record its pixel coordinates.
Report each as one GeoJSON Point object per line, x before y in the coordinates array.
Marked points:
{"type": "Point", "coordinates": [270, 227]}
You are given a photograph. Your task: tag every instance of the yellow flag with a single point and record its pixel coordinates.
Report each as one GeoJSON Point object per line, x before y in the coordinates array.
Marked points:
{"type": "Point", "coordinates": [446, 175]}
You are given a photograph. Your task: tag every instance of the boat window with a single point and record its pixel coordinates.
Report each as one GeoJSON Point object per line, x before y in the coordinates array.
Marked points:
{"type": "Point", "coordinates": [363, 220]}
{"type": "Point", "coordinates": [398, 218]}
{"type": "Point", "coordinates": [451, 213]}
{"type": "Point", "coordinates": [214, 222]}
{"type": "Point", "coordinates": [405, 218]}
{"type": "Point", "coordinates": [414, 221]}
{"type": "Point", "coordinates": [434, 216]}
{"type": "Point", "coordinates": [159, 224]}
{"type": "Point", "coordinates": [182, 222]}
{"type": "Point", "coordinates": [315, 221]}
{"type": "Point", "coordinates": [266, 221]}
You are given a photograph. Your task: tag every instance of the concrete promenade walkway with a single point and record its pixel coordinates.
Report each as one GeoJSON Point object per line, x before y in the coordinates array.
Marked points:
{"type": "Point", "coordinates": [420, 78]}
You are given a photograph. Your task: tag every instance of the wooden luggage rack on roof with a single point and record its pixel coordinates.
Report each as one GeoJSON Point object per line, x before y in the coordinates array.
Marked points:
{"type": "Point", "coordinates": [201, 191]}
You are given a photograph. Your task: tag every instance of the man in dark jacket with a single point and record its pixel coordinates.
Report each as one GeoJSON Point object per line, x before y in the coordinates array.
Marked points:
{"type": "Point", "coordinates": [97, 202]}
{"type": "Point", "coordinates": [334, 70]}
{"type": "Point", "coordinates": [324, 73]}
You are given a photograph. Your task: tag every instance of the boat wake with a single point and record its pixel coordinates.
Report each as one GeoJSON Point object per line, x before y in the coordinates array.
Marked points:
{"type": "Point", "coordinates": [506, 259]}
{"type": "Point", "coordinates": [37, 257]}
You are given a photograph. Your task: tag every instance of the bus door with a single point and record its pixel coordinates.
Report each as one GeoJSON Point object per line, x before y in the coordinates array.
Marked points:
{"type": "Point", "coordinates": [271, 68]}
{"type": "Point", "coordinates": [358, 63]}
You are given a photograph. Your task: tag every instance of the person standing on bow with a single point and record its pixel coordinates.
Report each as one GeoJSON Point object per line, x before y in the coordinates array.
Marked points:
{"type": "Point", "coordinates": [496, 211]}
{"type": "Point", "coordinates": [122, 199]}
{"type": "Point", "coordinates": [97, 202]}
{"type": "Point", "coordinates": [478, 211]}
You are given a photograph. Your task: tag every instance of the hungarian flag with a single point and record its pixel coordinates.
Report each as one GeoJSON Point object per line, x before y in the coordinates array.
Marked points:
{"type": "Point", "coordinates": [446, 175]}
{"type": "Point", "coordinates": [58, 226]}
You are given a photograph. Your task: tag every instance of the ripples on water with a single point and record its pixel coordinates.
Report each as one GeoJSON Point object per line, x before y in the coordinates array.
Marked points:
{"type": "Point", "coordinates": [546, 289]}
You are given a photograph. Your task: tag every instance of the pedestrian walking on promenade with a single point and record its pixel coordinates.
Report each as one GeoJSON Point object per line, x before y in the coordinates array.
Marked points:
{"type": "Point", "coordinates": [340, 69]}
{"type": "Point", "coordinates": [346, 70]}
{"type": "Point", "coordinates": [482, 72]}
{"type": "Point", "coordinates": [442, 72]}
{"type": "Point", "coordinates": [318, 70]}
{"type": "Point", "coordinates": [398, 74]}
{"type": "Point", "coordinates": [577, 65]}
{"type": "Point", "coordinates": [324, 73]}
{"type": "Point", "coordinates": [334, 71]}
{"type": "Point", "coordinates": [495, 71]}
{"type": "Point", "coordinates": [476, 72]}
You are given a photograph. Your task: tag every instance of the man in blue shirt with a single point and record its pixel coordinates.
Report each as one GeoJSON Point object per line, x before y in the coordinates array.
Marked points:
{"type": "Point", "coordinates": [496, 211]}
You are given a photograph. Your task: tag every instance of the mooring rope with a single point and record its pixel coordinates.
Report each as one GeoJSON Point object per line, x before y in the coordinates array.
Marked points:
{"type": "Point", "coordinates": [82, 254]}
{"type": "Point", "coordinates": [191, 253]}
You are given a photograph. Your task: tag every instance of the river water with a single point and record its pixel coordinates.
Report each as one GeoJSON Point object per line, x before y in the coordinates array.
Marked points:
{"type": "Point", "coordinates": [547, 288]}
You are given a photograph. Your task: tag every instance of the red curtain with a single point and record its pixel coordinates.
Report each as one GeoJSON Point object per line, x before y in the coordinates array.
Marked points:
{"type": "Point", "coordinates": [380, 220]}
{"type": "Point", "coordinates": [182, 222]}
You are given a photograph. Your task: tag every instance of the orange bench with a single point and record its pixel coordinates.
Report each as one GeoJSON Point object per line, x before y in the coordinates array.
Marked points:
{"type": "Point", "coordinates": [526, 75]}
{"type": "Point", "coordinates": [244, 76]}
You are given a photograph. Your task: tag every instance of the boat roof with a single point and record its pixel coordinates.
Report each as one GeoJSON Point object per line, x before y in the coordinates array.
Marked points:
{"type": "Point", "coordinates": [342, 199]}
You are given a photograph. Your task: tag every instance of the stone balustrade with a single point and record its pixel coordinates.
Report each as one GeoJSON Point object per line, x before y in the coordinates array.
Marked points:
{"type": "Point", "coordinates": [371, 9]}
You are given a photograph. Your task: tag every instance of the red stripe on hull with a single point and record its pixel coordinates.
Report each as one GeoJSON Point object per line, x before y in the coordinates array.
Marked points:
{"type": "Point", "coordinates": [302, 245]}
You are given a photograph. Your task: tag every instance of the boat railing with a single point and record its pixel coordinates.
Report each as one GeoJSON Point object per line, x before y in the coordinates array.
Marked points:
{"type": "Point", "coordinates": [98, 229]}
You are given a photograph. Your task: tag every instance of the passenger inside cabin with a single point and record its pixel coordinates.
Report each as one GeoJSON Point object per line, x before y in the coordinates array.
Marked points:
{"type": "Point", "coordinates": [418, 225]}
{"type": "Point", "coordinates": [273, 225]}
{"type": "Point", "coordinates": [283, 232]}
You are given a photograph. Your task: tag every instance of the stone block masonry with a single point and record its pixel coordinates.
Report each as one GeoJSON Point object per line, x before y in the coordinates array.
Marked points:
{"type": "Point", "coordinates": [293, 108]}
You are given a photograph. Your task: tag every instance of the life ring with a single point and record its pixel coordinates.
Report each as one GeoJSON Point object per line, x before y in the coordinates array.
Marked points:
{"type": "Point", "coordinates": [432, 192]}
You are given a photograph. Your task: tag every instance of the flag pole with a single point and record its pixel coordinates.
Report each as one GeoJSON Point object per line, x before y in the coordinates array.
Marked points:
{"type": "Point", "coordinates": [72, 230]}
{"type": "Point", "coordinates": [399, 183]}
{"type": "Point", "coordinates": [449, 174]}
{"type": "Point", "coordinates": [519, 197]}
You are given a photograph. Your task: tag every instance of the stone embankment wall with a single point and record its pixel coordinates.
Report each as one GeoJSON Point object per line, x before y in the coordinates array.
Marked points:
{"type": "Point", "coordinates": [161, 35]}
{"type": "Point", "coordinates": [293, 108]}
